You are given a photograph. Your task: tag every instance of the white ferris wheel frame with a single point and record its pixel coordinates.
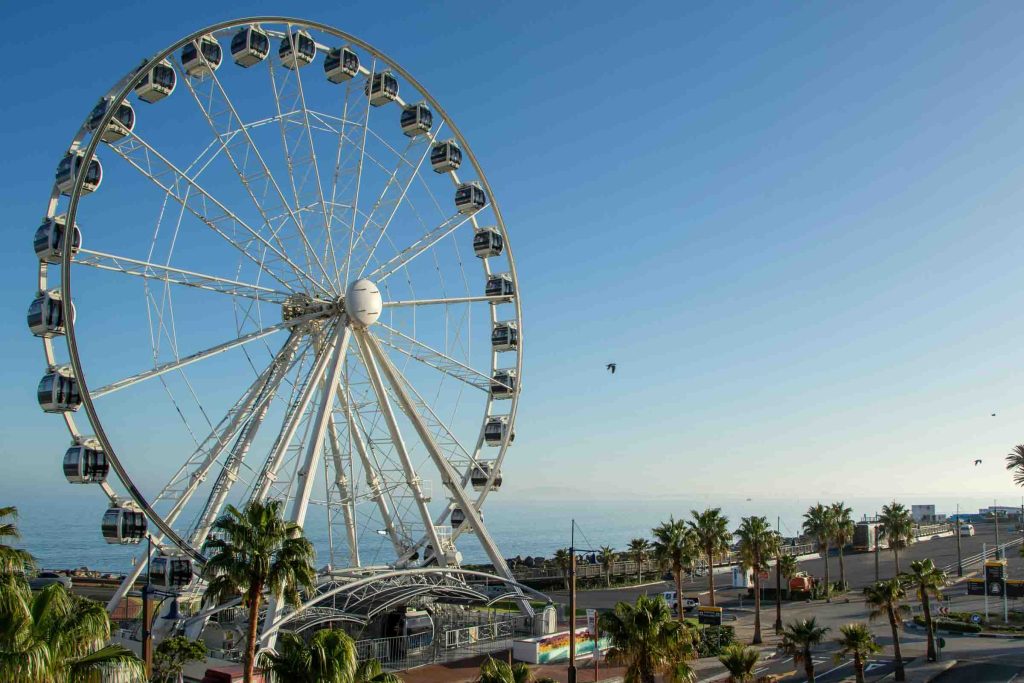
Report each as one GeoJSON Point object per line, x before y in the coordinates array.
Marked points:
{"type": "Point", "coordinates": [376, 361]}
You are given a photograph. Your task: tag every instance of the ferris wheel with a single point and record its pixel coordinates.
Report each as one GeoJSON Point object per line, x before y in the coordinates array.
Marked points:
{"type": "Point", "coordinates": [280, 273]}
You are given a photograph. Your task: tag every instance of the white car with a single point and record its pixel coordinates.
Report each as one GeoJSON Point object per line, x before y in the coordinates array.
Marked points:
{"type": "Point", "coordinates": [689, 604]}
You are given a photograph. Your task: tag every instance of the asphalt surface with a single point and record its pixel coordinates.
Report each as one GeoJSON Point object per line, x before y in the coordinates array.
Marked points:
{"type": "Point", "coordinates": [980, 672]}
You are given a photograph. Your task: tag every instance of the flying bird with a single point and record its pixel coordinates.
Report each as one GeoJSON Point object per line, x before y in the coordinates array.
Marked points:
{"type": "Point", "coordinates": [993, 414]}
{"type": "Point", "coordinates": [977, 462]}
{"type": "Point", "coordinates": [611, 367]}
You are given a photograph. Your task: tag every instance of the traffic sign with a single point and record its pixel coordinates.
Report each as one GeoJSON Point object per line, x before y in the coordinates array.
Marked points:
{"type": "Point", "coordinates": [711, 616]}
{"type": "Point", "coordinates": [975, 618]}
{"type": "Point", "coordinates": [995, 577]}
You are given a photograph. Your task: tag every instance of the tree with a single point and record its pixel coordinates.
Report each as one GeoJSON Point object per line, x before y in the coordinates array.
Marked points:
{"type": "Point", "coordinates": [498, 671]}
{"type": "Point", "coordinates": [711, 531]}
{"type": "Point", "coordinates": [648, 641]}
{"type": "Point", "coordinates": [370, 671]}
{"type": "Point", "coordinates": [55, 637]}
{"type": "Point", "coordinates": [12, 560]}
{"type": "Point", "coordinates": [843, 527]}
{"type": "Point", "coordinates": [638, 549]}
{"type": "Point", "coordinates": [606, 556]}
{"type": "Point", "coordinates": [897, 526]}
{"type": "Point", "coordinates": [788, 565]}
{"type": "Point", "coordinates": [885, 598]}
{"type": "Point", "coordinates": [928, 580]}
{"type": "Point", "coordinates": [785, 567]}
{"type": "Point", "coordinates": [858, 641]}
{"type": "Point", "coordinates": [1015, 462]}
{"type": "Point", "coordinates": [328, 657]}
{"type": "Point", "coordinates": [757, 543]}
{"type": "Point", "coordinates": [674, 550]}
{"type": "Point", "coordinates": [563, 560]}
{"type": "Point", "coordinates": [171, 656]}
{"type": "Point", "coordinates": [254, 550]}
{"type": "Point", "coordinates": [799, 638]}
{"type": "Point", "coordinates": [740, 662]}
{"type": "Point", "coordinates": [818, 526]}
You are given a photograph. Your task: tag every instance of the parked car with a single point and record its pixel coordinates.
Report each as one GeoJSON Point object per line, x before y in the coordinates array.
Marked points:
{"type": "Point", "coordinates": [44, 579]}
{"type": "Point", "coordinates": [689, 604]}
{"type": "Point", "coordinates": [966, 529]}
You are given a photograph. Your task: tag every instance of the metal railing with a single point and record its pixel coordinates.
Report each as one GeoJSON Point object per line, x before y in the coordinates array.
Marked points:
{"type": "Point", "coordinates": [978, 558]}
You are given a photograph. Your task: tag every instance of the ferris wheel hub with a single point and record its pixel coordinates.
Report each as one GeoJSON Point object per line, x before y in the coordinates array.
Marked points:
{"type": "Point", "coordinates": [363, 303]}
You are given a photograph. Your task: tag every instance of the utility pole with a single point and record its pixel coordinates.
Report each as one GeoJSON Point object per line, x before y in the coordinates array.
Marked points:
{"type": "Point", "coordinates": [874, 533]}
{"type": "Point", "coordinates": [959, 557]}
{"type": "Point", "coordinates": [995, 516]}
{"type": "Point", "coordinates": [572, 604]}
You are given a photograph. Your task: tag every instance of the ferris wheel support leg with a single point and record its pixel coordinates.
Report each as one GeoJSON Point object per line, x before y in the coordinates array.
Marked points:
{"type": "Point", "coordinates": [344, 487]}
{"type": "Point", "coordinates": [396, 437]}
{"type": "Point", "coordinates": [450, 478]}
{"type": "Point", "coordinates": [371, 473]}
{"type": "Point", "coordinates": [307, 473]}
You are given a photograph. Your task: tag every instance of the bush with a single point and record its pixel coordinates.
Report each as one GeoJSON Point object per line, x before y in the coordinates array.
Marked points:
{"type": "Point", "coordinates": [713, 639]}
{"type": "Point", "coordinates": [950, 625]}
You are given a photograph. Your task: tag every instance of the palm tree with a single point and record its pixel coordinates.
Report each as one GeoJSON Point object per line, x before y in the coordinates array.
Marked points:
{"type": "Point", "coordinates": [798, 639]}
{"type": "Point", "coordinates": [757, 543]}
{"type": "Point", "coordinates": [55, 637]}
{"type": "Point", "coordinates": [711, 530]}
{"type": "Point", "coordinates": [674, 549]}
{"type": "Point", "coordinates": [785, 566]}
{"type": "Point", "coordinates": [788, 565]}
{"type": "Point", "coordinates": [648, 641]}
{"type": "Point", "coordinates": [328, 657]}
{"type": "Point", "coordinates": [370, 671]}
{"type": "Point", "coordinates": [563, 560]}
{"type": "Point", "coordinates": [885, 598]}
{"type": "Point", "coordinates": [497, 671]}
{"type": "Point", "coordinates": [638, 549]}
{"type": "Point", "coordinates": [606, 556]}
{"type": "Point", "coordinates": [1015, 462]}
{"type": "Point", "coordinates": [928, 580]}
{"type": "Point", "coordinates": [12, 560]}
{"type": "Point", "coordinates": [858, 641]}
{"type": "Point", "coordinates": [898, 528]}
{"type": "Point", "coordinates": [256, 549]}
{"type": "Point", "coordinates": [843, 527]}
{"type": "Point", "coordinates": [818, 526]}
{"type": "Point", "coordinates": [740, 662]}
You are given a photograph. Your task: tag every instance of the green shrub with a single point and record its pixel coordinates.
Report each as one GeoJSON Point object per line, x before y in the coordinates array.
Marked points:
{"type": "Point", "coordinates": [950, 625]}
{"type": "Point", "coordinates": [713, 639]}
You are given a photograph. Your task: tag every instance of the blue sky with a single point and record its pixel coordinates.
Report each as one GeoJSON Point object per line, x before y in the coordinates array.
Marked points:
{"type": "Point", "coordinates": [794, 226]}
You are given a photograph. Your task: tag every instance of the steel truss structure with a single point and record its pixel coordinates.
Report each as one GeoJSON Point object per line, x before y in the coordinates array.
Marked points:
{"type": "Point", "coordinates": [322, 196]}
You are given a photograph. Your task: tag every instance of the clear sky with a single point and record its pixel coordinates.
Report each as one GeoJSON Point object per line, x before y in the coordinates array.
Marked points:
{"type": "Point", "coordinates": [795, 227]}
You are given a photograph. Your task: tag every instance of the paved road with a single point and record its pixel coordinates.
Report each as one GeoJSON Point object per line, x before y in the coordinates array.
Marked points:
{"type": "Point", "coordinates": [980, 672]}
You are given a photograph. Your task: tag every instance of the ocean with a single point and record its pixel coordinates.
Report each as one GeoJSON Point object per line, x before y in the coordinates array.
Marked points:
{"type": "Point", "coordinates": [64, 531]}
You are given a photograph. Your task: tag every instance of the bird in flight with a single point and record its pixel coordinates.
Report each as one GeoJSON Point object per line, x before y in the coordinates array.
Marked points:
{"type": "Point", "coordinates": [993, 414]}
{"type": "Point", "coordinates": [611, 367]}
{"type": "Point", "coordinates": [977, 462]}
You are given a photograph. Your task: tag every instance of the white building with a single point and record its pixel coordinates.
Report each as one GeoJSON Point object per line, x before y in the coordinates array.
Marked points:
{"type": "Point", "coordinates": [922, 514]}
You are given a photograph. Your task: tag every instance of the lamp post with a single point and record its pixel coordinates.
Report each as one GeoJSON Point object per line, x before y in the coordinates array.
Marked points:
{"type": "Point", "coordinates": [959, 557]}
{"type": "Point", "coordinates": [572, 604]}
{"type": "Point", "coordinates": [147, 614]}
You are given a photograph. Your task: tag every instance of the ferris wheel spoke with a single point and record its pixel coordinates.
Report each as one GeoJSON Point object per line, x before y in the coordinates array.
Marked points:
{"type": "Point", "coordinates": [436, 359]}
{"type": "Point", "coordinates": [359, 174]}
{"type": "Point", "coordinates": [303, 394]}
{"type": "Point", "coordinates": [198, 356]}
{"type": "Point", "coordinates": [196, 200]}
{"type": "Point", "coordinates": [412, 481]}
{"type": "Point", "coordinates": [448, 301]}
{"type": "Point", "coordinates": [356, 430]}
{"type": "Point", "coordinates": [449, 477]}
{"type": "Point", "coordinates": [226, 125]}
{"type": "Point", "coordinates": [344, 486]}
{"type": "Point", "coordinates": [393, 179]}
{"type": "Point", "coordinates": [402, 259]}
{"type": "Point", "coordinates": [177, 276]}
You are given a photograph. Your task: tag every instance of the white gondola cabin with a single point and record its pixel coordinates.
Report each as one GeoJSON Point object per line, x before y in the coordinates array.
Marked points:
{"type": "Point", "coordinates": [69, 168]}
{"type": "Point", "coordinates": [49, 239]}
{"type": "Point", "coordinates": [201, 57]}
{"type": "Point", "coordinates": [458, 519]}
{"type": "Point", "coordinates": [496, 429]}
{"type": "Point", "coordinates": [381, 88]}
{"type": "Point", "coordinates": [296, 50]}
{"type": "Point", "coordinates": [445, 156]}
{"type": "Point", "coordinates": [46, 315]}
{"type": "Point", "coordinates": [119, 126]}
{"type": "Point", "coordinates": [416, 119]}
{"type": "Point", "coordinates": [470, 198]}
{"type": "Point", "coordinates": [170, 572]}
{"type": "Point", "coordinates": [58, 391]}
{"type": "Point", "coordinates": [85, 462]}
{"type": "Point", "coordinates": [488, 242]}
{"type": "Point", "coordinates": [500, 285]}
{"type": "Point", "coordinates": [123, 525]}
{"type": "Point", "coordinates": [158, 83]}
{"type": "Point", "coordinates": [250, 46]}
{"type": "Point", "coordinates": [503, 383]}
{"type": "Point", "coordinates": [505, 336]}
{"type": "Point", "coordinates": [341, 64]}
{"type": "Point", "coordinates": [482, 472]}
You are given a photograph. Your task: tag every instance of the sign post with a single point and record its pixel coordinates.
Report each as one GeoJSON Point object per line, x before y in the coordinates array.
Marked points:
{"type": "Point", "coordinates": [709, 616]}
{"type": "Point", "coordinates": [995, 584]}
{"type": "Point", "coordinates": [592, 627]}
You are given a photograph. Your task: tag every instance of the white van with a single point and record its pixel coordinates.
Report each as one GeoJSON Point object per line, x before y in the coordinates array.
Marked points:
{"type": "Point", "coordinates": [689, 604]}
{"type": "Point", "coordinates": [966, 529]}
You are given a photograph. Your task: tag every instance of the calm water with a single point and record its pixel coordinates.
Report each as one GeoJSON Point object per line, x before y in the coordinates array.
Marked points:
{"type": "Point", "coordinates": [64, 531]}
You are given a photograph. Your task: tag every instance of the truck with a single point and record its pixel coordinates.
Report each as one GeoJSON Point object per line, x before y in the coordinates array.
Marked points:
{"type": "Point", "coordinates": [866, 536]}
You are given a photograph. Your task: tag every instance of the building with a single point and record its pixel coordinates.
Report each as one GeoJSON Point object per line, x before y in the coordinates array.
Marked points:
{"type": "Point", "coordinates": [925, 514]}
